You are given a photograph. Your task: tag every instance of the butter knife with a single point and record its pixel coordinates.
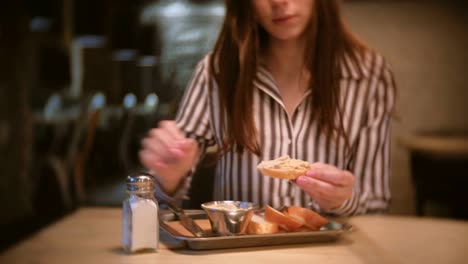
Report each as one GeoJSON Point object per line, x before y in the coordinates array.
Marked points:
{"type": "Point", "coordinates": [187, 221]}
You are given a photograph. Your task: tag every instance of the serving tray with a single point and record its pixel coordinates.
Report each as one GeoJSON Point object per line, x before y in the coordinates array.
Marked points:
{"type": "Point", "coordinates": [168, 222]}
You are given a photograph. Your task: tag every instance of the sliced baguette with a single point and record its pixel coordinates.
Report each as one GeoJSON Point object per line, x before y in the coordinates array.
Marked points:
{"type": "Point", "coordinates": [284, 221]}
{"type": "Point", "coordinates": [284, 168]}
{"type": "Point", "coordinates": [259, 226]}
{"type": "Point", "coordinates": [309, 218]}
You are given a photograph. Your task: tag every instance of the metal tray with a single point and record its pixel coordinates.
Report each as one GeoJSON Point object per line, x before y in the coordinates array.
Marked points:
{"type": "Point", "coordinates": [329, 233]}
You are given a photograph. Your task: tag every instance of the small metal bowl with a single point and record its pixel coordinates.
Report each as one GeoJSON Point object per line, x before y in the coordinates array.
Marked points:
{"type": "Point", "coordinates": [229, 218]}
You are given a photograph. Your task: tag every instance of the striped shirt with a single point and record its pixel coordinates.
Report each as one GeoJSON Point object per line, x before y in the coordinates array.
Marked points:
{"type": "Point", "coordinates": [367, 100]}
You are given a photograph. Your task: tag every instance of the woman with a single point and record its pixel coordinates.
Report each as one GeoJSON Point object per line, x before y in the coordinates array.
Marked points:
{"type": "Point", "coordinates": [286, 77]}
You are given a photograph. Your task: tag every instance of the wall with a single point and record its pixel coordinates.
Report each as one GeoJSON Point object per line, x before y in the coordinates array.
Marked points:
{"type": "Point", "coordinates": [426, 43]}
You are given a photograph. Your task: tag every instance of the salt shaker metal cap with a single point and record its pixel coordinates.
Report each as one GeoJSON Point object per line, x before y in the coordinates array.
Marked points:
{"type": "Point", "coordinates": [141, 182]}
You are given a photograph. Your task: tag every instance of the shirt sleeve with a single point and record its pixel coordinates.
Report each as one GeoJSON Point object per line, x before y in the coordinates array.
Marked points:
{"type": "Point", "coordinates": [193, 118]}
{"type": "Point", "coordinates": [370, 162]}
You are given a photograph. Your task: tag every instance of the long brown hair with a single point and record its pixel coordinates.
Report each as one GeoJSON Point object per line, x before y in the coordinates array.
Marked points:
{"type": "Point", "coordinates": [236, 58]}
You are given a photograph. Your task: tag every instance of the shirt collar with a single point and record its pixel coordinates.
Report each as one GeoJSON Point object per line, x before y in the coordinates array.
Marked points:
{"type": "Point", "coordinates": [265, 82]}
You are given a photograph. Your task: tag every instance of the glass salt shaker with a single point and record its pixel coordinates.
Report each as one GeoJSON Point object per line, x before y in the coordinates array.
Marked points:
{"type": "Point", "coordinates": [140, 226]}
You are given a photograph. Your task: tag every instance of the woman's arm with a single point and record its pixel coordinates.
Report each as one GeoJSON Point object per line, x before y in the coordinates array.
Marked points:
{"type": "Point", "coordinates": [371, 161]}
{"type": "Point", "coordinates": [173, 150]}
{"type": "Point", "coordinates": [364, 186]}
{"type": "Point", "coordinates": [168, 154]}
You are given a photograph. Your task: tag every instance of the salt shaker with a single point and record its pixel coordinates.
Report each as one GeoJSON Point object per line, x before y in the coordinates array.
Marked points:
{"type": "Point", "coordinates": [140, 226]}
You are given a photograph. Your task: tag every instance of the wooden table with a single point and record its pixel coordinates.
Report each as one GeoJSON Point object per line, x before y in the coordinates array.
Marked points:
{"type": "Point", "coordinates": [92, 235]}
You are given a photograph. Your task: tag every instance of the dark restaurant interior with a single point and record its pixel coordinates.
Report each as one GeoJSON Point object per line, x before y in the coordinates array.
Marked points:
{"type": "Point", "coordinates": [82, 81]}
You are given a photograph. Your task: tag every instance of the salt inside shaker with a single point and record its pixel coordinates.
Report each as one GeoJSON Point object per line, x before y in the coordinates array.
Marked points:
{"type": "Point", "coordinates": [140, 226]}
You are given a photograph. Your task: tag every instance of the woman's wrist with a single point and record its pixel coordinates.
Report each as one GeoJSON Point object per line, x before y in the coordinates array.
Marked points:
{"type": "Point", "coordinates": [170, 184]}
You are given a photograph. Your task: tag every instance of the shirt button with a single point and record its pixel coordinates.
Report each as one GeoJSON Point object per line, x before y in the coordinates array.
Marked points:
{"type": "Point", "coordinates": [288, 141]}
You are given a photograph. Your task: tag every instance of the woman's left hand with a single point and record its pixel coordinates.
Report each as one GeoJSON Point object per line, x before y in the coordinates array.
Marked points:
{"type": "Point", "coordinates": [327, 185]}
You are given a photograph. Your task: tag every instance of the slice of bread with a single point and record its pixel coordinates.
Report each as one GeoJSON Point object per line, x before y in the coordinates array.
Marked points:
{"type": "Point", "coordinates": [284, 221]}
{"type": "Point", "coordinates": [284, 168]}
{"type": "Point", "coordinates": [309, 218]}
{"type": "Point", "coordinates": [259, 226]}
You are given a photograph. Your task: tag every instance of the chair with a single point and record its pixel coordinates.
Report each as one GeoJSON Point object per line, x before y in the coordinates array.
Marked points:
{"type": "Point", "coordinates": [439, 169]}
{"type": "Point", "coordinates": [83, 141]}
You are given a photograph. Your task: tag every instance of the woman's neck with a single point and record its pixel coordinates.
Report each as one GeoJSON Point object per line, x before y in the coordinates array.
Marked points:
{"type": "Point", "coordinates": [285, 59]}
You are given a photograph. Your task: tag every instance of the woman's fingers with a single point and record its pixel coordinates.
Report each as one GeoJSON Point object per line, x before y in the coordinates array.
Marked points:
{"type": "Point", "coordinates": [331, 174]}
{"type": "Point", "coordinates": [165, 142]}
{"type": "Point", "coordinates": [167, 145]}
{"type": "Point", "coordinates": [159, 148]}
{"type": "Point", "coordinates": [335, 177]}
{"type": "Point", "coordinates": [321, 189]}
{"type": "Point", "coordinates": [329, 186]}
{"type": "Point", "coordinates": [149, 160]}
{"type": "Point", "coordinates": [168, 153]}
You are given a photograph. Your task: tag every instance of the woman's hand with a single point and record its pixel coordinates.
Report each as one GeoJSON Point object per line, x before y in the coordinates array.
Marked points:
{"type": "Point", "coordinates": [168, 153]}
{"type": "Point", "coordinates": [329, 186]}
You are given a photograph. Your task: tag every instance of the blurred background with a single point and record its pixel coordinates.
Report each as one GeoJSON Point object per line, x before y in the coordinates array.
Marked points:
{"type": "Point", "coordinates": [82, 81]}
